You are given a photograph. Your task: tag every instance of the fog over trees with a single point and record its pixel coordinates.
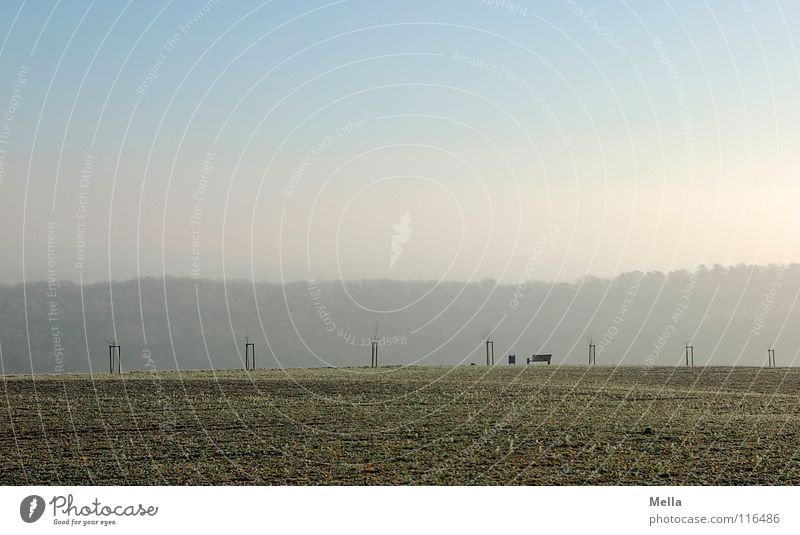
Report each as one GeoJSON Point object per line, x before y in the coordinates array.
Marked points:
{"type": "Point", "coordinates": [731, 316]}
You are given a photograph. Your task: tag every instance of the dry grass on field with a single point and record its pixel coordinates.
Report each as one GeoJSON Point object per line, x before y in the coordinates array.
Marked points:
{"type": "Point", "coordinates": [436, 425]}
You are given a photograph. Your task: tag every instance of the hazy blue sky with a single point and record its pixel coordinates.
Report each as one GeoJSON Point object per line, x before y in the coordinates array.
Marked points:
{"type": "Point", "coordinates": [545, 140]}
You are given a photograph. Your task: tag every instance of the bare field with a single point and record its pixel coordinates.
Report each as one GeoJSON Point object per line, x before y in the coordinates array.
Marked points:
{"type": "Point", "coordinates": [419, 425]}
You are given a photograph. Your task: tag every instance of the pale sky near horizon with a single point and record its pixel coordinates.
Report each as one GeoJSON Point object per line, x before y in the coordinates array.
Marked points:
{"type": "Point", "coordinates": [456, 140]}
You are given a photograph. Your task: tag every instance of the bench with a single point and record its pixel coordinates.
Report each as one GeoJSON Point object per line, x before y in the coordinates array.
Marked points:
{"type": "Point", "coordinates": [540, 358]}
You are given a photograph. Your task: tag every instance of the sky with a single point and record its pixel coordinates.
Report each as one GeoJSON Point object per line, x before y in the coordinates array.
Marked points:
{"type": "Point", "coordinates": [449, 140]}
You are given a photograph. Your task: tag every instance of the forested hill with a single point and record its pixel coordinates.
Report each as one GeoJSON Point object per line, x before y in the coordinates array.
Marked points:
{"type": "Point", "coordinates": [730, 315]}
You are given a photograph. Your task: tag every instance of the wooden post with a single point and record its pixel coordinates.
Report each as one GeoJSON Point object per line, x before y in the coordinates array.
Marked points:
{"type": "Point", "coordinates": [374, 348]}
{"type": "Point", "coordinates": [249, 356]}
{"type": "Point", "coordinates": [114, 351]}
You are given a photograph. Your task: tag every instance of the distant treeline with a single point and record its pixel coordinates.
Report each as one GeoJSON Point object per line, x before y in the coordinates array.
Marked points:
{"type": "Point", "coordinates": [731, 316]}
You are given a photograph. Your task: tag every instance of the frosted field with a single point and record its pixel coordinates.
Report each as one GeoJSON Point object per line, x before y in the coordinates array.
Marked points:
{"type": "Point", "coordinates": [436, 425]}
